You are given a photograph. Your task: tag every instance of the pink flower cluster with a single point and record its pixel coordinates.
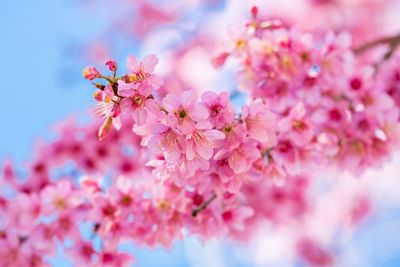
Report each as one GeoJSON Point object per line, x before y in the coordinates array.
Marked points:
{"type": "Point", "coordinates": [195, 163]}
{"type": "Point", "coordinates": [334, 110]}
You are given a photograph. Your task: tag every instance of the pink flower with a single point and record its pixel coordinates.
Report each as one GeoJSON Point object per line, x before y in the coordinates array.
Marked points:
{"type": "Point", "coordinates": [65, 226]}
{"type": "Point", "coordinates": [184, 111]}
{"type": "Point", "coordinates": [219, 107]}
{"type": "Point", "coordinates": [105, 211]}
{"type": "Point", "coordinates": [297, 126]}
{"type": "Point", "coordinates": [109, 108]}
{"type": "Point", "coordinates": [59, 198]}
{"type": "Point", "coordinates": [136, 103]}
{"type": "Point", "coordinates": [236, 218]}
{"type": "Point", "coordinates": [23, 211]}
{"type": "Point", "coordinates": [219, 60]}
{"type": "Point", "coordinates": [166, 140]}
{"type": "Point", "coordinates": [201, 141]}
{"type": "Point", "coordinates": [91, 73]}
{"type": "Point", "coordinates": [241, 158]}
{"type": "Point", "coordinates": [123, 194]}
{"type": "Point", "coordinates": [11, 251]}
{"type": "Point", "coordinates": [259, 122]}
{"type": "Point", "coordinates": [313, 253]}
{"type": "Point", "coordinates": [113, 258]}
{"type": "Point", "coordinates": [82, 252]}
{"type": "Point", "coordinates": [142, 73]}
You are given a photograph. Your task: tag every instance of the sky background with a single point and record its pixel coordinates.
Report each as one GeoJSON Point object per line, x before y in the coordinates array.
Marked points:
{"type": "Point", "coordinates": [41, 84]}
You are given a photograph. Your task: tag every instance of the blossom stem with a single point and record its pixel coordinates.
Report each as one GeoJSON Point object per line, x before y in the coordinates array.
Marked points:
{"type": "Point", "coordinates": [96, 228]}
{"type": "Point", "coordinates": [392, 41]}
{"type": "Point", "coordinates": [203, 206]}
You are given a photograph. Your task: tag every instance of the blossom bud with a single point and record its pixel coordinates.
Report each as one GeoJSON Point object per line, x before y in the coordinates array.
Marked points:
{"type": "Point", "coordinates": [99, 86]}
{"type": "Point", "coordinates": [112, 65]}
{"type": "Point", "coordinates": [254, 11]}
{"type": "Point", "coordinates": [105, 128]}
{"type": "Point", "coordinates": [98, 95]}
{"type": "Point", "coordinates": [219, 60]}
{"type": "Point", "coordinates": [91, 73]}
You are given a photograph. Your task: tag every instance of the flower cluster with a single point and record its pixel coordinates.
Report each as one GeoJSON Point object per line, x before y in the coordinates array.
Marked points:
{"type": "Point", "coordinates": [196, 164]}
{"type": "Point", "coordinates": [333, 107]}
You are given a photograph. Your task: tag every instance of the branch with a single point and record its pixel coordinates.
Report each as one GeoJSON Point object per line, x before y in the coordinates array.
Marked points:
{"type": "Point", "coordinates": [196, 211]}
{"type": "Point", "coordinates": [392, 41]}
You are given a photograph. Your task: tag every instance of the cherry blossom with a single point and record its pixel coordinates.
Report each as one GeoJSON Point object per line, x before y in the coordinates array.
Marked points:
{"type": "Point", "coordinates": [183, 161]}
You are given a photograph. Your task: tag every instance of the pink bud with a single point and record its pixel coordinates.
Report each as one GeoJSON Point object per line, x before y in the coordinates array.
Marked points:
{"type": "Point", "coordinates": [254, 11]}
{"type": "Point", "coordinates": [112, 65]}
{"type": "Point", "coordinates": [105, 128]}
{"type": "Point", "coordinates": [98, 95]}
{"type": "Point", "coordinates": [90, 73]}
{"type": "Point", "coordinates": [219, 60]}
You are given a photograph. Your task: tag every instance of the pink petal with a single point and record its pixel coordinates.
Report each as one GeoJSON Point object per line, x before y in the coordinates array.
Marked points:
{"type": "Point", "coordinates": [259, 134]}
{"type": "Point", "coordinates": [139, 115]}
{"type": "Point", "coordinates": [117, 123]}
{"type": "Point", "coordinates": [155, 81]}
{"type": "Point", "coordinates": [125, 89]}
{"type": "Point", "coordinates": [172, 155]}
{"type": "Point", "coordinates": [171, 103]}
{"type": "Point", "coordinates": [198, 113]}
{"type": "Point", "coordinates": [214, 134]}
{"type": "Point", "coordinates": [187, 127]}
{"type": "Point", "coordinates": [132, 64]}
{"type": "Point", "coordinates": [298, 111]}
{"type": "Point", "coordinates": [159, 128]}
{"type": "Point", "coordinates": [222, 154]}
{"type": "Point", "coordinates": [149, 63]}
{"type": "Point", "coordinates": [126, 105]}
{"type": "Point", "coordinates": [204, 125]}
{"type": "Point", "coordinates": [189, 149]}
{"type": "Point", "coordinates": [237, 162]}
{"type": "Point", "coordinates": [209, 97]}
{"type": "Point", "coordinates": [64, 187]}
{"type": "Point", "coordinates": [188, 98]}
{"type": "Point", "coordinates": [204, 149]}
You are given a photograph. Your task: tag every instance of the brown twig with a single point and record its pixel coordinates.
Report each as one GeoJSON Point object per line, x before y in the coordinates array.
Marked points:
{"type": "Point", "coordinates": [391, 41]}
{"type": "Point", "coordinates": [196, 211]}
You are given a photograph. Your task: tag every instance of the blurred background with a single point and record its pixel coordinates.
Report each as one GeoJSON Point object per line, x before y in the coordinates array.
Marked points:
{"type": "Point", "coordinates": [45, 45]}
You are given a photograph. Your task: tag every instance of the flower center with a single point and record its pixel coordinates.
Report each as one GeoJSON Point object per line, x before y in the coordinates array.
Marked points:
{"type": "Point", "coordinates": [137, 101]}
{"type": "Point", "coordinates": [126, 200]}
{"type": "Point", "coordinates": [299, 125]}
{"type": "Point", "coordinates": [59, 203]}
{"type": "Point", "coordinates": [182, 114]}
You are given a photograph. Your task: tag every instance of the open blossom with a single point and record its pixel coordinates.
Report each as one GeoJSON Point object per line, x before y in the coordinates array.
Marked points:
{"type": "Point", "coordinates": [124, 194]}
{"type": "Point", "coordinates": [168, 141]}
{"type": "Point", "coordinates": [141, 80]}
{"type": "Point", "coordinates": [201, 141]}
{"type": "Point", "coordinates": [241, 158]}
{"type": "Point", "coordinates": [23, 211]}
{"type": "Point", "coordinates": [114, 258]}
{"type": "Point", "coordinates": [138, 104]}
{"type": "Point", "coordinates": [259, 122]}
{"type": "Point", "coordinates": [141, 73]}
{"type": "Point", "coordinates": [297, 126]}
{"type": "Point", "coordinates": [60, 197]}
{"type": "Point", "coordinates": [235, 218]}
{"type": "Point", "coordinates": [108, 106]}
{"type": "Point", "coordinates": [82, 252]}
{"type": "Point", "coordinates": [184, 111]}
{"type": "Point", "coordinates": [219, 107]}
